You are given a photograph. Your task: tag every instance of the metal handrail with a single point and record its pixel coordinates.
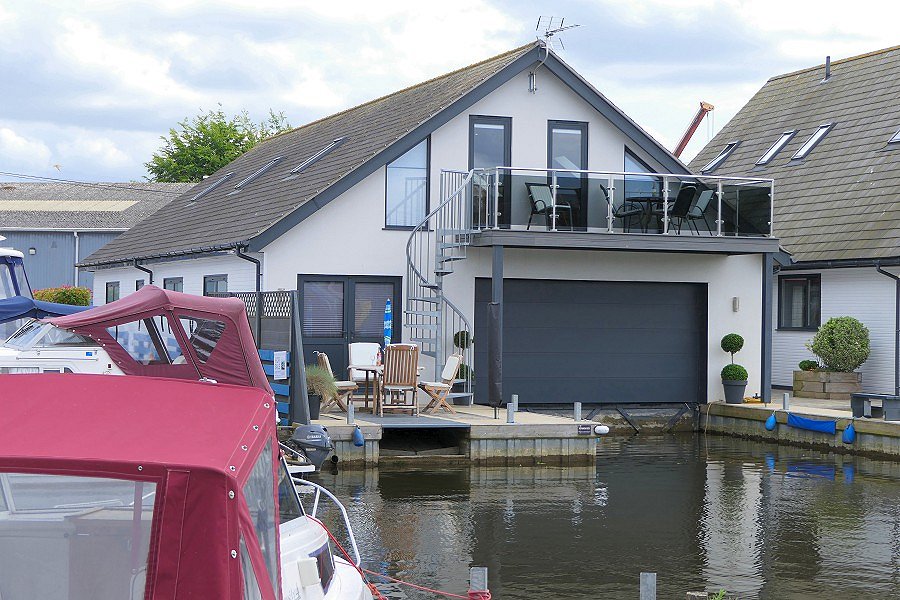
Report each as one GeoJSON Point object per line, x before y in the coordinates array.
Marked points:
{"type": "Point", "coordinates": [322, 490]}
{"type": "Point", "coordinates": [633, 173]}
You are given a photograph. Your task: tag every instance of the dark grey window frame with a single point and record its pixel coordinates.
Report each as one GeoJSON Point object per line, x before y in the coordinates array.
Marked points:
{"type": "Point", "coordinates": [580, 125]}
{"type": "Point", "coordinates": [166, 281]}
{"type": "Point", "coordinates": [827, 127]}
{"type": "Point", "coordinates": [216, 277]}
{"type": "Point", "coordinates": [139, 283]}
{"type": "Point", "coordinates": [113, 285]}
{"type": "Point", "coordinates": [809, 278]}
{"type": "Point", "coordinates": [629, 153]}
{"type": "Point", "coordinates": [895, 139]}
{"type": "Point", "coordinates": [506, 122]}
{"type": "Point", "coordinates": [387, 227]}
{"type": "Point", "coordinates": [787, 136]}
{"type": "Point", "coordinates": [721, 157]}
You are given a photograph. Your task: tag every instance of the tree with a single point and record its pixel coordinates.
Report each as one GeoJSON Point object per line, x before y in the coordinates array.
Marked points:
{"type": "Point", "coordinates": [207, 142]}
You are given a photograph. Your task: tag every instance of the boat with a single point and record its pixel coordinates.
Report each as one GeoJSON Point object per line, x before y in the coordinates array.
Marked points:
{"type": "Point", "coordinates": [149, 488]}
{"type": "Point", "coordinates": [17, 303]}
{"type": "Point", "coordinates": [151, 332]}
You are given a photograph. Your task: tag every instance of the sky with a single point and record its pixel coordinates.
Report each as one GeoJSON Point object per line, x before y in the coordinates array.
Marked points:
{"type": "Point", "coordinates": [89, 86]}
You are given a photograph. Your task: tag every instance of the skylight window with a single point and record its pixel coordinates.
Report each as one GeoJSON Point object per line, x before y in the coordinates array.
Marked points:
{"type": "Point", "coordinates": [776, 147]}
{"type": "Point", "coordinates": [895, 139]}
{"type": "Point", "coordinates": [814, 139]}
{"type": "Point", "coordinates": [257, 173]}
{"type": "Point", "coordinates": [204, 192]}
{"type": "Point", "coordinates": [317, 156]}
{"type": "Point", "coordinates": [717, 161]}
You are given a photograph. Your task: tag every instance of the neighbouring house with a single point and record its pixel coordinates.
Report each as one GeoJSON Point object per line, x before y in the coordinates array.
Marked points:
{"type": "Point", "coordinates": [830, 137]}
{"type": "Point", "coordinates": [510, 187]}
{"type": "Point", "coordinates": [56, 225]}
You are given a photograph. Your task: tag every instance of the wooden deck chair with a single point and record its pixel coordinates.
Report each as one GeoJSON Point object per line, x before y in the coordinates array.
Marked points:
{"type": "Point", "coordinates": [440, 390]}
{"type": "Point", "coordinates": [345, 389]}
{"type": "Point", "coordinates": [399, 378]}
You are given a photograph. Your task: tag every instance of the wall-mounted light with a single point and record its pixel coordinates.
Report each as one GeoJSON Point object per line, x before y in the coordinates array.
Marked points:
{"type": "Point", "coordinates": [736, 304]}
{"type": "Point", "coordinates": [32, 251]}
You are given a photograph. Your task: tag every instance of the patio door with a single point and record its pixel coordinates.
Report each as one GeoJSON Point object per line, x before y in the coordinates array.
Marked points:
{"type": "Point", "coordinates": [490, 146]}
{"type": "Point", "coordinates": [567, 148]}
{"type": "Point", "coordinates": [337, 310]}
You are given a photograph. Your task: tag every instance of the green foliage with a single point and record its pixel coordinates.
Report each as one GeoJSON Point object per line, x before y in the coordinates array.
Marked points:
{"type": "Point", "coordinates": [720, 595]}
{"type": "Point", "coordinates": [842, 344]}
{"type": "Point", "coordinates": [462, 339]}
{"type": "Point", "coordinates": [732, 343]}
{"type": "Point", "coordinates": [734, 372]}
{"type": "Point", "coordinates": [319, 382]}
{"type": "Point", "coordinates": [65, 294]}
{"type": "Point", "coordinates": [207, 142]}
{"type": "Point", "coordinates": [465, 372]}
{"type": "Point", "coordinates": [808, 365]}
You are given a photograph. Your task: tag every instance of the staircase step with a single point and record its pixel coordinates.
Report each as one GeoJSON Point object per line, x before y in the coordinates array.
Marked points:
{"type": "Point", "coordinates": [430, 286]}
{"type": "Point", "coordinates": [459, 395]}
{"type": "Point", "coordinates": [432, 299]}
{"type": "Point", "coordinates": [444, 245]}
{"type": "Point", "coordinates": [444, 259]}
{"type": "Point", "coordinates": [454, 231]}
{"type": "Point", "coordinates": [424, 340]}
{"type": "Point", "coordinates": [443, 271]}
{"type": "Point", "coordinates": [428, 326]}
{"type": "Point", "coordinates": [424, 313]}
{"type": "Point", "coordinates": [430, 353]}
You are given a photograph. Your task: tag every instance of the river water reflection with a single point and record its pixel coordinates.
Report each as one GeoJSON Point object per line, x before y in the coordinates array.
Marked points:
{"type": "Point", "coordinates": [761, 520]}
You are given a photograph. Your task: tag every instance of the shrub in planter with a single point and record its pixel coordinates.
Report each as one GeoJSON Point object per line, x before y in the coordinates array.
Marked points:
{"type": "Point", "coordinates": [734, 377]}
{"type": "Point", "coordinates": [842, 344]}
{"type": "Point", "coordinates": [65, 294]}
{"type": "Point", "coordinates": [734, 372]}
{"type": "Point", "coordinates": [808, 365]}
{"type": "Point", "coordinates": [467, 374]}
{"type": "Point", "coordinates": [732, 343]}
{"type": "Point", "coordinates": [462, 339]}
{"type": "Point", "coordinates": [319, 384]}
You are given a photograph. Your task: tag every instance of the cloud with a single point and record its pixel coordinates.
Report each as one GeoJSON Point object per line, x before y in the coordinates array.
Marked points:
{"type": "Point", "coordinates": [19, 152]}
{"type": "Point", "coordinates": [101, 150]}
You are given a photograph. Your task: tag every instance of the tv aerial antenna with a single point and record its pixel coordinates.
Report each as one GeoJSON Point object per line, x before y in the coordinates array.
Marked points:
{"type": "Point", "coordinates": [552, 27]}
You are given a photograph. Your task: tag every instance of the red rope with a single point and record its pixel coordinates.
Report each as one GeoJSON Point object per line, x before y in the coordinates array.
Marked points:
{"type": "Point", "coordinates": [473, 595]}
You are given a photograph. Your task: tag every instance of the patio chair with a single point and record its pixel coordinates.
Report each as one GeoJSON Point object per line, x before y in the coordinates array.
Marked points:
{"type": "Point", "coordinates": [541, 197]}
{"type": "Point", "coordinates": [363, 353]}
{"type": "Point", "coordinates": [399, 378]}
{"type": "Point", "coordinates": [627, 211]}
{"type": "Point", "coordinates": [440, 390]}
{"type": "Point", "coordinates": [681, 206]}
{"type": "Point", "coordinates": [698, 211]}
{"type": "Point", "coordinates": [345, 389]}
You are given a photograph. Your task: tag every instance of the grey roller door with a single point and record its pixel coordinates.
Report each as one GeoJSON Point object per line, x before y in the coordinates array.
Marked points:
{"type": "Point", "coordinates": [590, 341]}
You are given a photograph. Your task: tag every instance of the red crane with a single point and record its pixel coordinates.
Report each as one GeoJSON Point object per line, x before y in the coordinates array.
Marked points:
{"type": "Point", "coordinates": [705, 107]}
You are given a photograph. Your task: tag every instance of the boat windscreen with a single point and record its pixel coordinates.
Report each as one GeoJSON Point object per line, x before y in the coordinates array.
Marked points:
{"type": "Point", "coordinates": [7, 289]}
{"type": "Point", "coordinates": [45, 335]}
{"type": "Point", "coordinates": [66, 537]}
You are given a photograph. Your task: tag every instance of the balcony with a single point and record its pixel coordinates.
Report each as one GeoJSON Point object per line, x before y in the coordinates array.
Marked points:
{"type": "Point", "coordinates": [621, 210]}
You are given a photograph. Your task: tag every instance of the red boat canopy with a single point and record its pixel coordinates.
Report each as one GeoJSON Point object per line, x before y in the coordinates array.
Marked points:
{"type": "Point", "coordinates": [196, 444]}
{"type": "Point", "coordinates": [212, 334]}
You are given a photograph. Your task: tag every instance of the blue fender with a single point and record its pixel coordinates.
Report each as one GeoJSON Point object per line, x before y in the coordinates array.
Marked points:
{"type": "Point", "coordinates": [849, 435]}
{"type": "Point", "coordinates": [358, 439]}
{"type": "Point", "coordinates": [771, 423]}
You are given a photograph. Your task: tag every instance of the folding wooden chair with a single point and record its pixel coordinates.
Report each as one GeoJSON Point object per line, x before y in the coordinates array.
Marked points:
{"type": "Point", "coordinates": [399, 378]}
{"type": "Point", "coordinates": [439, 391]}
{"type": "Point", "coordinates": [345, 389]}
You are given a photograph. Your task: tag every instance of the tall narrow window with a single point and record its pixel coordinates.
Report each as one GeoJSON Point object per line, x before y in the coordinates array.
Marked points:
{"type": "Point", "coordinates": [567, 149]}
{"type": "Point", "coordinates": [776, 147]}
{"type": "Point", "coordinates": [406, 190]}
{"type": "Point", "coordinates": [813, 140]}
{"type": "Point", "coordinates": [490, 146]}
{"type": "Point", "coordinates": [112, 291]}
{"type": "Point", "coordinates": [640, 186]}
{"type": "Point", "coordinates": [799, 302]}
{"type": "Point", "coordinates": [215, 284]}
{"type": "Point", "coordinates": [722, 156]}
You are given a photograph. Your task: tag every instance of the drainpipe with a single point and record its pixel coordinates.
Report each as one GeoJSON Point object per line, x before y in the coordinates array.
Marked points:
{"type": "Point", "coordinates": [896, 326]}
{"type": "Point", "coordinates": [239, 252]}
{"type": "Point", "coordinates": [145, 270]}
{"type": "Point", "coordinates": [77, 259]}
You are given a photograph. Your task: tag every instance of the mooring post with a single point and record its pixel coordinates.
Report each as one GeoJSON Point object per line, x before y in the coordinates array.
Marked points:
{"type": "Point", "coordinates": [510, 413]}
{"type": "Point", "coordinates": [786, 401]}
{"type": "Point", "coordinates": [478, 581]}
{"type": "Point", "coordinates": [648, 586]}
{"type": "Point", "coordinates": [515, 402]}
{"type": "Point", "coordinates": [578, 411]}
{"type": "Point", "coordinates": [351, 416]}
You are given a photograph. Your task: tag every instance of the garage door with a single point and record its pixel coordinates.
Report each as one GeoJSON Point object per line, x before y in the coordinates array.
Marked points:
{"type": "Point", "coordinates": [596, 342]}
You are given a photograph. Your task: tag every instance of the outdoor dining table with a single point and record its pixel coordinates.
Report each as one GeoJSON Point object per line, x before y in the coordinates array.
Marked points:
{"type": "Point", "coordinates": [376, 371]}
{"type": "Point", "coordinates": [648, 203]}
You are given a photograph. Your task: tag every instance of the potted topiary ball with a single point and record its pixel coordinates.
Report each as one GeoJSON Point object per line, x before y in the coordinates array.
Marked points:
{"type": "Point", "coordinates": [734, 377]}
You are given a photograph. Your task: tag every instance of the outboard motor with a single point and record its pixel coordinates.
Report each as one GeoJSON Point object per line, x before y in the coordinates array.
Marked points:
{"type": "Point", "coordinates": [314, 442]}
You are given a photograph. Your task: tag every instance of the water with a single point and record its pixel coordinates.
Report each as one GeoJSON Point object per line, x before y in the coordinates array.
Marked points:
{"type": "Point", "coordinates": [759, 520]}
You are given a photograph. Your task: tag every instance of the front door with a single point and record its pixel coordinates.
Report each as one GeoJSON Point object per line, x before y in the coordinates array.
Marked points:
{"type": "Point", "coordinates": [337, 310]}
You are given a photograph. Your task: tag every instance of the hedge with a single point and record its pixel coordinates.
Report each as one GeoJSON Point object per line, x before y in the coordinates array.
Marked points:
{"type": "Point", "coordinates": [66, 294]}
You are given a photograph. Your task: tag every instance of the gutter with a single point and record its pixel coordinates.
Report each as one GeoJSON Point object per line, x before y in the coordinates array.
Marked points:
{"type": "Point", "coordinates": [132, 259]}
{"type": "Point", "coordinates": [145, 270]}
{"type": "Point", "coordinates": [896, 326]}
{"type": "Point", "coordinates": [843, 264]}
{"type": "Point", "coordinates": [239, 252]}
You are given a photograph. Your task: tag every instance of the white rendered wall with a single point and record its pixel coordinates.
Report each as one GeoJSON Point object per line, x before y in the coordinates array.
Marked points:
{"type": "Point", "coordinates": [725, 276]}
{"type": "Point", "coordinates": [241, 274]}
{"type": "Point", "coordinates": [860, 293]}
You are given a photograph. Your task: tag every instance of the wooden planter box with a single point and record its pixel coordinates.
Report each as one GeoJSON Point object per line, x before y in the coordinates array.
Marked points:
{"type": "Point", "coordinates": [826, 384]}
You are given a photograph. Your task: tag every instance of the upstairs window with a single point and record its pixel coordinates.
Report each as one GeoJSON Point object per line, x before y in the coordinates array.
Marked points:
{"type": "Point", "coordinates": [112, 291]}
{"type": "Point", "coordinates": [813, 140]}
{"type": "Point", "coordinates": [799, 302]}
{"type": "Point", "coordinates": [718, 160]}
{"type": "Point", "coordinates": [173, 284]}
{"type": "Point", "coordinates": [640, 186]}
{"type": "Point", "coordinates": [215, 284]}
{"type": "Point", "coordinates": [776, 147]}
{"type": "Point", "coordinates": [406, 190]}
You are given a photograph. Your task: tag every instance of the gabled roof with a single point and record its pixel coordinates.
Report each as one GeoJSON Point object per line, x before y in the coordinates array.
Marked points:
{"type": "Point", "coordinates": [371, 134]}
{"type": "Point", "coordinates": [840, 202]}
{"type": "Point", "coordinates": [69, 206]}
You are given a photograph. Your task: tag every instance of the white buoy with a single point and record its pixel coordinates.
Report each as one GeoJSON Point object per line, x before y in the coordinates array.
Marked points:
{"type": "Point", "coordinates": [601, 429]}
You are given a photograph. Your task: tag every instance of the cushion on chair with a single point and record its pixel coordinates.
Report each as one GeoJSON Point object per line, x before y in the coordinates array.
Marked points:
{"type": "Point", "coordinates": [434, 385]}
{"type": "Point", "coordinates": [346, 385]}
